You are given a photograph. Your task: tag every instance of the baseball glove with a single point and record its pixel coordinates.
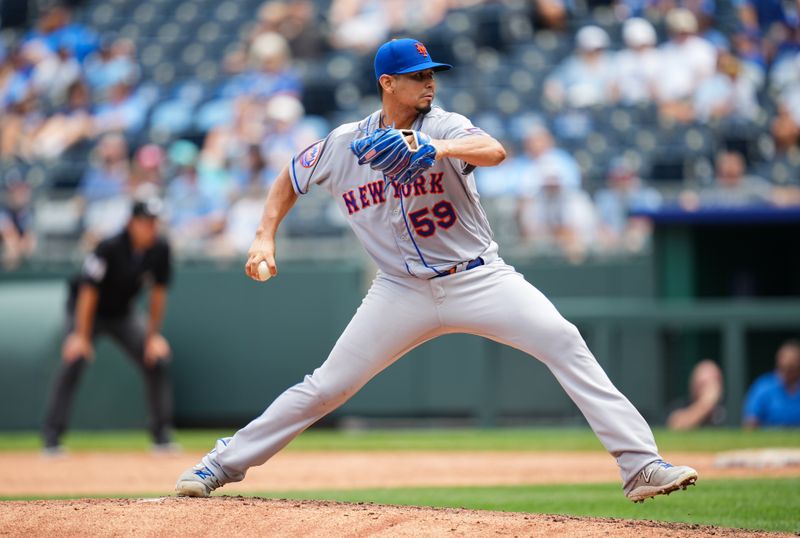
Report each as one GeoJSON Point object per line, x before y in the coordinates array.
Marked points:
{"type": "Point", "coordinates": [401, 154]}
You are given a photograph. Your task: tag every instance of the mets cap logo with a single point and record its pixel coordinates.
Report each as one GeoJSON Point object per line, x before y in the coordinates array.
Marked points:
{"type": "Point", "coordinates": [421, 49]}
{"type": "Point", "coordinates": [310, 155]}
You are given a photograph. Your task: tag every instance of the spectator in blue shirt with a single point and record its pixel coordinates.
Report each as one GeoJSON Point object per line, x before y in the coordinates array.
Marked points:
{"type": "Point", "coordinates": [55, 29]}
{"type": "Point", "coordinates": [195, 211]}
{"type": "Point", "coordinates": [774, 398]}
{"type": "Point", "coordinates": [271, 72]}
{"type": "Point", "coordinates": [104, 190]}
{"type": "Point", "coordinates": [123, 112]}
{"type": "Point", "coordinates": [17, 236]}
{"type": "Point", "coordinates": [541, 153]}
{"type": "Point", "coordinates": [114, 63]}
{"type": "Point", "coordinates": [625, 194]}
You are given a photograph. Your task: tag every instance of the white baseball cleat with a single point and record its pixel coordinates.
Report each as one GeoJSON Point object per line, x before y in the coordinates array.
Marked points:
{"type": "Point", "coordinates": [659, 478]}
{"type": "Point", "coordinates": [199, 481]}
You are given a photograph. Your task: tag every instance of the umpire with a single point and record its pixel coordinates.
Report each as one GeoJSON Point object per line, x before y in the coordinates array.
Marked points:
{"type": "Point", "coordinates": [101, 301]}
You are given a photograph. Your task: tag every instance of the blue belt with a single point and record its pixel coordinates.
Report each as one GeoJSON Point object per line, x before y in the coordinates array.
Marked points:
{"type": "Point", "coordinates": [477, 262]}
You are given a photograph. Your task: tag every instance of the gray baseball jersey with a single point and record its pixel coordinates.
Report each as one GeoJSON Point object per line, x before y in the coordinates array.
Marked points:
{"type": "Point", "coordinates": [421, 228]}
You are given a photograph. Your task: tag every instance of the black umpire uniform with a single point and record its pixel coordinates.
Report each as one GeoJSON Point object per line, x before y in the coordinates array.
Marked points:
{"type": "Point", "coordinates": [118, 271]}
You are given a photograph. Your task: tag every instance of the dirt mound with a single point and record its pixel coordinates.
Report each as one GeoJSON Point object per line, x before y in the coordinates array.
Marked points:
{"type": "Point", "coordinates": [243, 516]}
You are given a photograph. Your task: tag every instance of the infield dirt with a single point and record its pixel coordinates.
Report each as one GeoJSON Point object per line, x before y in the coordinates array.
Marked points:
{"type": "Point", "coordinates": [26, 474]}
{"type": "Point", "coordinates": [31, 475]}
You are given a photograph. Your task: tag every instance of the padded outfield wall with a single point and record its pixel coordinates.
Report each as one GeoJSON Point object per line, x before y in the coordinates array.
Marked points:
{"type": "Point", "coordinates": [237, 344]}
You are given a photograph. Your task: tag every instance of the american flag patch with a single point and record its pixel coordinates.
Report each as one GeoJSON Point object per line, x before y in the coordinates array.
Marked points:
{"type": "Point", "coordinates": [476, 131]}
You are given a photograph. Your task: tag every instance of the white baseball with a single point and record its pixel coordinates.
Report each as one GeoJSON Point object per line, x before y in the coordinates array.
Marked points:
{"type": "Point", "coordinates": [263, 271]}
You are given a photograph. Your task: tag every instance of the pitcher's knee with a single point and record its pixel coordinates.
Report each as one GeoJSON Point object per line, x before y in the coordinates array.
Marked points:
{"type": "Point", "coordinates": [327, 394]}
{"type": "Point", "coordinates": [563, 342]}
{"type": "Point", "coordinates": [568, 336]}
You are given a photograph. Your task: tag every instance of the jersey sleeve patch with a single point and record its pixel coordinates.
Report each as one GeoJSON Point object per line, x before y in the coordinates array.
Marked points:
{"type": "Point", "coordinates": [94, 268]}
{"type": "Point", "coordinates": [311, 154]}
{"type": "Point", "coordinates": [305, 167]}
{"type": "Point", "coordinates": [476, 131]}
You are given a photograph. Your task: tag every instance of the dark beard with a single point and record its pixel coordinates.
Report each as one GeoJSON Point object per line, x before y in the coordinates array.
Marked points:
{"type": "Point", "coordinates": [424, 109]}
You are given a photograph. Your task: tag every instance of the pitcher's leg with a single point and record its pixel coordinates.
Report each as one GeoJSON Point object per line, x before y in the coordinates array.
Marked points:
{"type": "Point", "coordinates": [514, 312]}
{"type": "Point", "coordinates": [391, 320]}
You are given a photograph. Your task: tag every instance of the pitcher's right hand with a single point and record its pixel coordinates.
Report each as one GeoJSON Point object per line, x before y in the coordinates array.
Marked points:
{"type": "Point", "coordinates": [261, 249]}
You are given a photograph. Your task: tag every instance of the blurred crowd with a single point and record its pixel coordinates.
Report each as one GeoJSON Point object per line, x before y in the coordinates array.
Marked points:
{"type": "Point", "coordinates": [772, 400]}
{"type": "Point", "coordinates": [87, 125]}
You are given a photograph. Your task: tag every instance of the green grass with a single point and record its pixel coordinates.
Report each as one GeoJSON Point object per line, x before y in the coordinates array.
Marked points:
{"type": "Point", "coordinates": [762, 504]}
{"type": "Point", "coordinates": [765, 504]}
{"type": "Point", "coordinates": [533, 439]}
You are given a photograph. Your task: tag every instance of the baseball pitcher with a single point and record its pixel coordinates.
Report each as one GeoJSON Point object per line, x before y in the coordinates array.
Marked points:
{"type": "Point", "coordinates": [403, 179]}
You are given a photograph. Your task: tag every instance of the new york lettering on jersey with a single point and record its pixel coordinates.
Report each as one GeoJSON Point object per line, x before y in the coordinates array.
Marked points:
{"type": "Point", "coordinates": [400, 226]}
{"type": "Point", "coordinates": [375, 192]}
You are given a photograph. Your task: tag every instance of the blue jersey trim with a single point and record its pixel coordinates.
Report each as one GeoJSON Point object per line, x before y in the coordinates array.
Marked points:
{"type": "Point", "coordinates": [411, 236]}
{"type": "Point", "coordinates": [293, 174]}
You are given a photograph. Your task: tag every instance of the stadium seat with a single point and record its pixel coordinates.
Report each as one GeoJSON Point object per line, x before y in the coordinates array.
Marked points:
{"type": "Point", "coordinates": [341, 66]}
{"type": "Point", "coordinates": [519, 124]}
{"type": "Point", "coordinates": [522, 81]}
{"type": "Point", "coordinates": [317, 216]}
{"type": "Point", "coordinates": [667, 164]}
{"type": "Point", "coordinates": [209, 32]}
{"type": "Point", "coordinates": [187, 12]}
{"type": "Point", "coordinates": [699, 140]}
{"type": "Point", "coordinates": [169, 32]}
{"type": "Point", "coordinates": [207, 71]}
{"type": "Point", "coordinates": [784, 170]}
{"type": "Point", "coordinates": [463, 50]}
{"type": "Point", "coordinates": [176, 116]}
{"type": "Point", "coordinates": [151, 55]}
{"type": "Point", "coordinates": [348, 96]}
{"type": "Point", "coordinates": [464, 101]}
{"type": "Point", "coordinates": [318, 97]}
{"type": "Point", "coordinates": [101, 15]}
{"type": "Point", "coordinates": [458, 23]}
{"type": "Point", "coordinates": [228, 11]}
{"type": "Point", "coordinates": [144, 13]}
{"type": "Point", "coordinates": [516, 26]}
{"type": "Point", "coordinates": [131, 31]}
{"type": "Point", "coordinates": [739, 136]}
{"type": "Point", "coordinates": [164, 73]}
{"type": "Point", "coordinates": [555, 46]}
{"type": "Point", "coordinates": [492, 124]}
{"type": "Point", "coordinates": [502, 213]}
{"type": "Point", "coordinates": [193, 54]}
{"type": "Point", "coordinates": [57, 221]}
{"type": "Point", "coordinates": [621, 122]}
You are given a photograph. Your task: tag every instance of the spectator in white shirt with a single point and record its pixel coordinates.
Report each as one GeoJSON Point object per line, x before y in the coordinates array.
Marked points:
{"type": "Point", "coordinates": [556, 218]}
{"type": "Point", "coordinates": [586, 77]}
{"type": "Point", "coordinates": [728, 94]}
{"type": "Point", "coordinates": [686, 62]}
{"type": "Point", "coordinates": [637, 65]}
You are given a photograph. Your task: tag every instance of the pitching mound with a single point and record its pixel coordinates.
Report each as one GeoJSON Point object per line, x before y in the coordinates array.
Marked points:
{"type": "Point", "coordinates": [243, 516]}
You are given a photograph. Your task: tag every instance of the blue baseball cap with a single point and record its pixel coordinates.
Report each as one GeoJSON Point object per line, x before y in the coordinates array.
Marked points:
{"type": "Point", "coordinates": [401, 56]}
